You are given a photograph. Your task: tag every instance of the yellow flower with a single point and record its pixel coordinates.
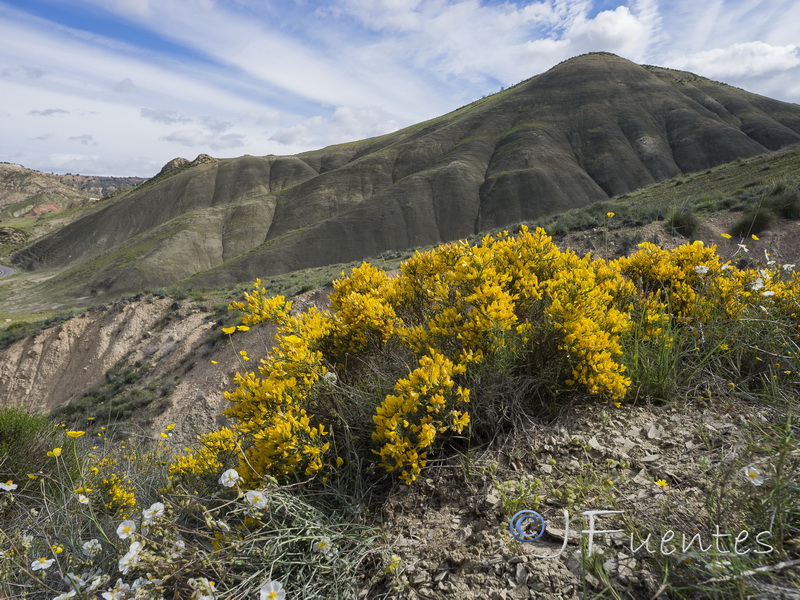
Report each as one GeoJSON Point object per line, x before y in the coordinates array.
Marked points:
{"type": "Point", "coordinates": [57, 548]}
{"type": "Point", "coordinates": [228, 330]}
{"type": "Point", "coordinates": [618, 404]}
{"type": "Point", "coordinates": [54, 453]}
{"type": "Point", "coordinates": [242, 328]}
{"type": "Point", "coordinates": [75, 434]}
{"type": "Point", "coordinates": [339, 461]}
{"type": "Point", "coordinates": [754, 236]}
{"type": "Point", "coordinates": [661, 483]}
{"type": "Point", "coordinates": [727, 236]}
{"type": "Point", "coordinates": [611, 215]}
{"type": "Point", "coordinates": [213, 362]}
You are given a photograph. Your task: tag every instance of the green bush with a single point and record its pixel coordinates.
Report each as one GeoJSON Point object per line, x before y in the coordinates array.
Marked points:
{"type": "Point", "coordinates": [783, 198]}
{"type": "Point", "coordinates": [22, 436]}
{"type": "Point", "coordinates": [754, 221]}
{"type": "Point", "coordinates": [683, 221]}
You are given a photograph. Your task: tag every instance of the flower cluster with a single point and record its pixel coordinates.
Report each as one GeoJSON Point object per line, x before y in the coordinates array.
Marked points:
{"type": "Point", "coordinates": [513, 304]}
{"type": "Point", "coordinates": [425, 403]}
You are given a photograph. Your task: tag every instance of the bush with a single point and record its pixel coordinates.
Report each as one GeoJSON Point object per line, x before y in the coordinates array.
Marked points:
{"type": "Point", "coordinates": [22, 435]}
{"type": "Point", "coordinates": [683, 221]}
{"type": "Point", "coordinates": [783, 198]}
{"type": "Point", "coordinates": [754, 221]}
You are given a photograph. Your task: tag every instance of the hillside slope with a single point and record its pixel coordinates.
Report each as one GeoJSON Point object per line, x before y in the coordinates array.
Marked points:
{"type": "Point", "coordinates": [592, 127]}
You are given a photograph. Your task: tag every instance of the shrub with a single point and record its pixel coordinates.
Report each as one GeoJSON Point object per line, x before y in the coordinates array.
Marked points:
{"type": "Point", "coordinates": [22, 434]}
{"type": "Point", "coordinates": [683, 221]}
{"type": "Point", "coordinates": [754, 221]}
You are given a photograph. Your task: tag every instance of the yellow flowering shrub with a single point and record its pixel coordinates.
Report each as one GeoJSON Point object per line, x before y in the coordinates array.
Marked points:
{"type": "Point", "coordinates": [116, 490]}
{"type": "Point", "coordinates": [209, 458]}
{"type": "Point", "coordinates": [425, 403]}
{"type": "Point", "coordinates": [415, 351]}
{"type": "Point", "coordinates": [258, 308]}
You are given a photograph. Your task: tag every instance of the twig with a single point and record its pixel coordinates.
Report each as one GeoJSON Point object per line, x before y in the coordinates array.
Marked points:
{"type": "Point", "coordinates": [768, 569]}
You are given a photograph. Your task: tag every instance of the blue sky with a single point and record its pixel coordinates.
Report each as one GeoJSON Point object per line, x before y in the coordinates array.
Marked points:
{"type": "Point", "coordinates": [119, 87]}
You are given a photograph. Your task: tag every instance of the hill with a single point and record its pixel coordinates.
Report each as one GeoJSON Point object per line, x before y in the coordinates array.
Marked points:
{"type": "Point", "coordinates": [591, 128]}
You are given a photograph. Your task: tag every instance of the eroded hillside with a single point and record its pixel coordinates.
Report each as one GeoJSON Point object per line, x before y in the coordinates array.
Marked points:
{"type": "Point", "coordinates": [592, 127]}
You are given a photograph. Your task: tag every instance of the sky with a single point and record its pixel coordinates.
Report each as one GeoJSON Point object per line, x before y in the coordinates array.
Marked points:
{"type": "Point", "coordinates": [120, 87]}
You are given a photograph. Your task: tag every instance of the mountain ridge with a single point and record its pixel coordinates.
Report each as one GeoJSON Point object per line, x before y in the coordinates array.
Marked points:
{"type": "Point", "coordinates": [590, 128]}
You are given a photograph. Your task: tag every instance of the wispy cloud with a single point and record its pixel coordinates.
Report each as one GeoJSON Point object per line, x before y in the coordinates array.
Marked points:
{"type": "Point", "coordinates": [142, 78]}
{"type": "Point", "coordinates": [85, 139]}
{"type": "Point", "coordinates": [48, 112]}
{"type": "Point", "coordinates": [168, 117]}
{"type": "Point", "coordinates": [739, 60]}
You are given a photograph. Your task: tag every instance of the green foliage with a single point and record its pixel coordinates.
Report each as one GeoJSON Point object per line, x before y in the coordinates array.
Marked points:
{"type": "Point", "coordinates": [683, 221]}
{"type": "Point", "coordinates": [21, 435]}
{"type": "Point", "coordinates": [755, 221]}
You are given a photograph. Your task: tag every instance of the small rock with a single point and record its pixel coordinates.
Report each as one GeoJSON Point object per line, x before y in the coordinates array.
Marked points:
{"type": "Point", "coordinates": [521, 575]}
{"type": "Point", "coordinates": [654, 432]}
{"type": "Point", "coordinates": [493, 498]}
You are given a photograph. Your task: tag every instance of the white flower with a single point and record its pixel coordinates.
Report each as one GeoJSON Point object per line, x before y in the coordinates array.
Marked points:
{"type": "Point", "coordinates": [96, 581]}
{"type": "Point", "coordinates": [753, 475]}
{"type": "Point", "coordinates": [118, 592]}
{"type": "Point", "coordinates": [178, 548]}
{"type": "Point", "coordinates": [758, 284]}
{"type": "Point", "coordinates": [206, 587]}
{"type": "Point", "coordinates": [323, 546]}
{"type": "Point", "coordinates": [725, 267]}
{"type": "Point", "coordinates": [230, 478]}
{"type": "Point", "coordinates": [272, 590]}
{"type": "Point", "coordinates": [3, 554]}
{"type": "Point", "coordinates": [223, 526]}
{"type": "Point", "coordinates": [130, 558]}
{"type": "Point", "coordinates": [701, 269]}
{"type": "Point", "coordinates": [8, 486]}
{"type": "Point", "coordinates": [787, 266]}
{"type": "Point", "coordinates": [743, 247]}
{"type": "Point", "coordinates": [768, 293]}
{"type": "Point", "coordinates": [151, 514]}
{"type": "Point", "coordinates": [256, 499]}
{"type": "Point", "coordinates": [83, 499]}
{"type": "Point", "coordinates": [330, 378]}
{"type": "Point", "coordinates": [74, 580]}
{"type": "Point", "coordinates": [66, 595]}
{"type": "Point", "coordinates": [126, 529]}
{"type": "Point", "coordinates": [42, 563]}
{"type": "Point", "coordinates": [91, 548]}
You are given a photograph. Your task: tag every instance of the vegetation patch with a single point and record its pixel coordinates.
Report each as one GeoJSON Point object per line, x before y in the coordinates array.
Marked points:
{"type": "Point", "coordinates": [402, 380]}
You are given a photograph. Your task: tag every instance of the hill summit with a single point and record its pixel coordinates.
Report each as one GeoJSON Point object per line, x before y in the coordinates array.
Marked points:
{"type": "Point", "coordinates": [592, 127]}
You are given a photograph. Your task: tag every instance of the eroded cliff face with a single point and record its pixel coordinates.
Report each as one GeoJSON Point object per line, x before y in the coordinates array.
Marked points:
{"type": "Point", "coordinates": [149, 362]}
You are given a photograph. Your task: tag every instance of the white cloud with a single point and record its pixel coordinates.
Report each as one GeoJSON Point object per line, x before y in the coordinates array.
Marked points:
{"type": "Point", "coordinates": [196, 138]}
{"type": "Point", "coordinates": [739, 60]}
{"type": "Point", "coordinates": [283, 77]}
{"type": "Point", "coordinates": [85, 139]}
{"type": "Point", "coordinates": [48, 112]}
{"type": "Point", "coordinates": [345, 125]}
{"type": "Point", "coordinates": [168, 117]}
{"type": "Point", "coordinates": [617, 31]}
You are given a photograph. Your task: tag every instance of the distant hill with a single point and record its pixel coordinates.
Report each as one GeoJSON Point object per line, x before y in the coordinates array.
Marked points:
{"type": "Point", "coordinates": [590, 128]}
{"type": "Point", "coordinates": [25, 192]}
